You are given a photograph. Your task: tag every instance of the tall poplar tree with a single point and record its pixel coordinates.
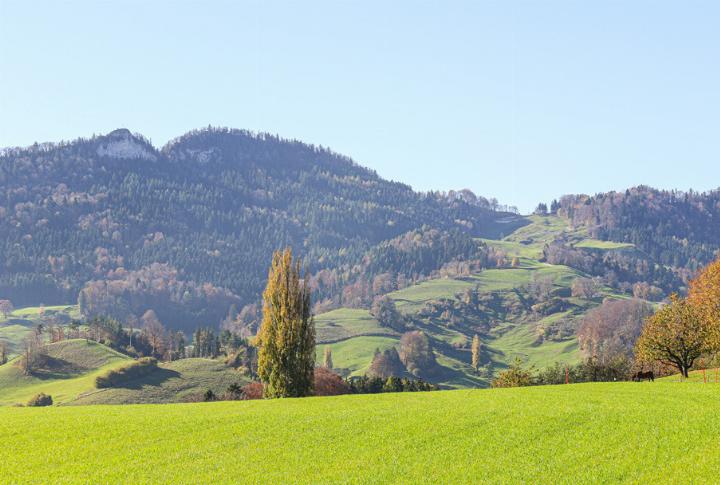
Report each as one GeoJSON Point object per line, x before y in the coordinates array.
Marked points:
{"type": "Point", "coordinates": [476, 352]}
{"type": "Point", "coordinates": [286, 340]}
{"type": "Point", "coordinates": [327, 358]}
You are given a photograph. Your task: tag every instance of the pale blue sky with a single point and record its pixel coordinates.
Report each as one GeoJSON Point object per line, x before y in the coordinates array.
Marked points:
{"type": "Point", "coordinates": [524, 101]}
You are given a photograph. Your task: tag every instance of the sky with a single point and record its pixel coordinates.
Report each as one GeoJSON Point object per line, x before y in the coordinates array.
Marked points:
{"type": "Point", "coordinates": [520, 100]}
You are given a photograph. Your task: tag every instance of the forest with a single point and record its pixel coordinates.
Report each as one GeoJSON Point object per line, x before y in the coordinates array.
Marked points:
{"type": "Point", "coordinates": [112, 217]}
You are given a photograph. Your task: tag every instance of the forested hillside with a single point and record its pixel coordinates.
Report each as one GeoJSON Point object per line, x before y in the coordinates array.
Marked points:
{"type": "Point", "coordinates": [676, 229]}
{"type": "Point", "coordinates": [188, 230]}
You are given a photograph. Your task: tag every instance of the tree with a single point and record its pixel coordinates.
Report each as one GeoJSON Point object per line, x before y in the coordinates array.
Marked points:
{"type": "Point", "coordinates": [704, 295]}
{"type": "Point", "coordinates": [515, 376]}
{"type": "Point", "coordinates": [154, 331]}
{"type": "Point", "coordinates": [676, 335]}
{"type": "Point", "coordinates": [286, 339]}
{"type": "Point", "coordinates": [3, 353]}
{"type": "Point", "coordinates": [476, 352]}
{"type": "Point", "coordinates": [327, 358]}
{"type": "Point", "coordinates": [384, 311]}
{"type": "Point", "coordinates": [386, 363]}
{"type": "Point", "coordinates": [416, 352]}
{"type": "Point", "coordinates": [541, 209]}
{"type": "Point", "coordinates": [32, 355]}
{"type": "Point", "coordinates": [328, 383]}
{"type": "Point", "coordinates": [6, 307]}
{"type": "Point", "coordinates": [584, 288]}
{"type": "Point", "coordinates": [83, 303]}
{"type": "Point", "coordinates": [611, 329]}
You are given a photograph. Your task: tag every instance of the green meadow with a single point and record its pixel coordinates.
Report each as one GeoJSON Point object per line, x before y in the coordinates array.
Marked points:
{"type": "Point", "coordinates": [583, 433]}
{"type": "Point", "coordinates": [72, 366]}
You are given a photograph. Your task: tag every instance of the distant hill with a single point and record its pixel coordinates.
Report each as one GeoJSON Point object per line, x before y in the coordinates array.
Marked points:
{"type": "Point", "coordinates": [189, 229]}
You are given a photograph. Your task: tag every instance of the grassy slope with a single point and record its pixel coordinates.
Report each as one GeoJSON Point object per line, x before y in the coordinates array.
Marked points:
{"type": "Point", "coordinates": [344, 323]}
{"type": "Point", "coordinates": [509, 339]}
{"type": "Point", "coordinates": [19, 324]}
{"type": "Point", "coordinates": [70, 378]}
{"type": "Point", "coordinates": [585, 433]}
{"type": "Point", "coordinates": [172, 382]}
{"type": "Point", "coordinates": [73, 368]}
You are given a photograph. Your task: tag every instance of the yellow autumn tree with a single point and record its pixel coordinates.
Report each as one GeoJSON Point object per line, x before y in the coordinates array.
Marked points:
{"type": "Point", "coordinates": [286, 339]}
{"type": "Point", "coordinates": [675, 335]}
{"type": "Point", "coordinates": [704, 295]}
{"type": "Point", "coordinates": [475, 352]}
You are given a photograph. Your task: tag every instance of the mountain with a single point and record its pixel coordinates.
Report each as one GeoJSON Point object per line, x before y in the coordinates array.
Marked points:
{"type": "Point", "coordinates": [188, 229]}
{"type": "Point", "coordinates": [121, 227]}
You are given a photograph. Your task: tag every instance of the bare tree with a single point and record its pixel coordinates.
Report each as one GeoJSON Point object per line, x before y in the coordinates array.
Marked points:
{"type": "Point", "coordinates": [6, 307]}
{"type": "Point", "coordinates": [154, 330]}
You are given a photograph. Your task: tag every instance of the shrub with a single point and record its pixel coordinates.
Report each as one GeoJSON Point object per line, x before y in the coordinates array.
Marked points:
{"type": "Point", "coordinates": [40, 400]}
{"type": "Point", "coordinates": [328, 383]}
{"type": "Point", "coordinates": [128, 372]}
{"type": "Point", "coordinates": [252, 390]}
{"type": "Point", "coordinates": [515, 376]}
{"type": "Point", "coordinates": [232, 393]}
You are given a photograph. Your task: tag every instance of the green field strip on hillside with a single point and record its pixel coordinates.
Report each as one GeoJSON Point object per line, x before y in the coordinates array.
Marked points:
{"type": "Point", "coordinates": [344, 323]}
{"type": "Point", "coordinates": [355, 354]}
{"type": "Point", "coordinates": [605, 245]}
{"type": "Point", "coordinates": [412, 298]}
{"type": "Point", "coordinates": [520, 341]}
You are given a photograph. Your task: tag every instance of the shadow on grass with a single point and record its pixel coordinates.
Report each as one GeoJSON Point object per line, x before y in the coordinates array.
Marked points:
{"type": "Point", "coordinates": [156, 379]}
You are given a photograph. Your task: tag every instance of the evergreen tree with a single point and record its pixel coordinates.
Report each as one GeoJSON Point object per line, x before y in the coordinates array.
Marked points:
{"type": "Point", "coordinates": [286, 339]}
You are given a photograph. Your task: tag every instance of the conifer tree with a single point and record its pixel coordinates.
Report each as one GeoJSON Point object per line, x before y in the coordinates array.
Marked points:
{"type": "Point", "coordinates": [286, 340]}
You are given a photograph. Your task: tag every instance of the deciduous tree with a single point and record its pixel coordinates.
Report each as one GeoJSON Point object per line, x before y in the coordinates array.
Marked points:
{"type": "Point", "coordinates": [286, 339]}
{"type": "Point", "coordinates": [476, 352]}
{"type": "Point", "coordinates": [6, 307]}
{"type": "Point", "coordinates": [676, 335]}
{"type": "Point", "coordinates": [704, 295]}
{"type": "Point", "coordinates": [327, 358]}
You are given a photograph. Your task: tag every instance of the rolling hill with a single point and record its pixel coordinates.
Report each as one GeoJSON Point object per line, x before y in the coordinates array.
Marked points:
{"type": "Point", "coordinates": [503, 315]}
{"type": "Point", "coordinates": [71, 369]}
{"type": "Point", "coordinates": [583, 433]}
{"type": "Point", "coordinates": [69, 375]}
{"type": "Point", "coordinates": [515, 330]}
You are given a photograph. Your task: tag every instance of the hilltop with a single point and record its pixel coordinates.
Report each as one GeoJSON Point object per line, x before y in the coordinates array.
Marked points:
{"type": "Point", "coordinates": [600, 432]}
{"type": "Point", "coordinates": [188, 229]}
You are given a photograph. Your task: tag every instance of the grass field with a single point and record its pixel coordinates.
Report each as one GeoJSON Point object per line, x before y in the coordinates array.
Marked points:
{"type": "Point", "coordinates": [344, 323]}
{"type": "Point", "coordinates": [584, 433]}
{"type": "Point", "coordinates": [354, 355]}
{"type": "Point", "coordinates": [598, 244]}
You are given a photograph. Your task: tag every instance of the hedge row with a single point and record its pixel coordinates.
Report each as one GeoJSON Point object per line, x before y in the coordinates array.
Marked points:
{"type": "Point", "coordinates": [128, 372]}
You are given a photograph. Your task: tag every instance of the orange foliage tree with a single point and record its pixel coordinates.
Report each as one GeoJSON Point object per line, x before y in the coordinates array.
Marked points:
{"type": "Point", "coordinates": [704, 295]}
{"type": "Point", "coordinates": [675, 335]}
